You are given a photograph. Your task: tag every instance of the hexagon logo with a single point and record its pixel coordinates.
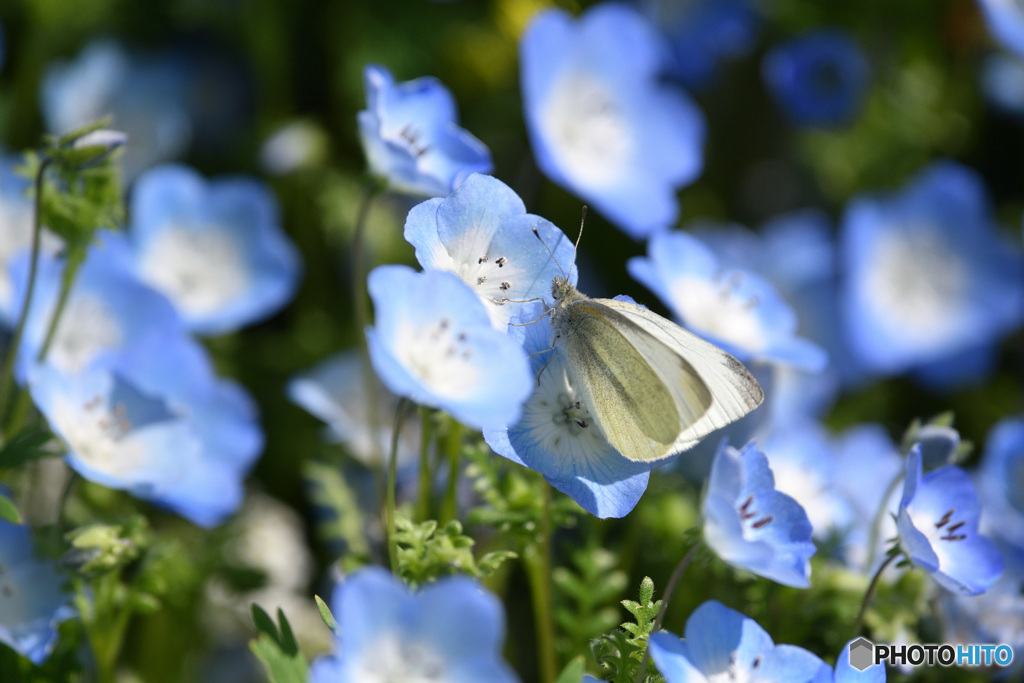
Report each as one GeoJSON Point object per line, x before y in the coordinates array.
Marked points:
{"type": "Point", "coordinates": [862, 654]}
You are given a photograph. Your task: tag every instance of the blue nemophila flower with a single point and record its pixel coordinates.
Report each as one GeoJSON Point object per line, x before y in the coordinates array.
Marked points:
{"type": "Point", "coordinates": [146, 95]}
{"type": "Point", "coordinates": [723, 645]}
{"type": "Point", "coordinates": [1001, 482]}
{"type": "Point", "coordinates": [702, 34]}
{"type": "Point", "coordinates": [157, 422]}
{"type": "Point", "coordinates": [432, 341]}
{"type": "Point", "coordinates": [819, 78]}
{"type": "Point", "coordinates": [215, 249]}
{"type": "Point", "coordinates": [600, 122]}
{"type": "Point", "coordinates": [735, 309]}
{"type": "Point", "coordinates": [558, 437]}
{"type": "Point", "coordinates": [928, 278]}
{"type": "Point", "coordinates": [335, 391]}
{"type": "Point", "coordinates": [482, 233]}
{"type": "Point", "coordinates": [1005, 18]}
{"type": "Point", "coordinates": [411, 135]}
{"type": "Point", "coordinates": [750, 524]}
{"type": "Point", "coordinates": [450, 631]}
{"type": "Point", "coordinates": [795, 252]}
{"type": "Point", "coordinates": [938, 527]}
{"type": "Point", "coordinates": [840, 481]}
{"type": "Point", "coordinates": [107, 311]}
{"type": "Point", "coordinates": [32, 603]}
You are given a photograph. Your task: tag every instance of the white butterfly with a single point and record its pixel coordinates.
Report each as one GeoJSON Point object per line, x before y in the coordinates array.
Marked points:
{"type": "Point", "coordinates": [654, 388]}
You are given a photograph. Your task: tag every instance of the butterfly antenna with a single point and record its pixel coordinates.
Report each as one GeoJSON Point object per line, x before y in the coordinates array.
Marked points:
{"type": "Point", "coordinates": [537, 235]}
{"type": "Point", "coordinates": [576, 247]}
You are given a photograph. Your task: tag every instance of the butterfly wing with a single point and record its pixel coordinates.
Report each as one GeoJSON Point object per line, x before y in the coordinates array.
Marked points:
{"type": "Point", "coordinates": [734, 391]}
{"type": "Point", "coordinates": [641, 392]}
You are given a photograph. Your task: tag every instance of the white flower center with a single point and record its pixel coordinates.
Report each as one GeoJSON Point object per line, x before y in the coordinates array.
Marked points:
{"type": "Point", "coordinates": [439, 356]}
{"type": "Point", "coordinates": [585, 123]}
{"type": "Point", "coordinates": [201, 270]}
{"type": "Point", "coordinates": [714, 308]}
{"type": "Point", "coordinates": [916, 283]}
{"type": "Point", "coordinates": [87, 326]}
{"type": "Point", "coordinates": [737, 672]}
{"type": "Point", "coordinates": [100, 436]}
{"type": "Point", "coordinates": [391, 660]}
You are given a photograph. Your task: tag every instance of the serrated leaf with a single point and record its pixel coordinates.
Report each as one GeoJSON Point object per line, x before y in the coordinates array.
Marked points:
{"type": "Point", "coordinates": [344, 523]}
{"type": "Point", "coordinates": [8, 510]}
{"type": "Point", "coordinates": [325, 614]}
{"type": "Point", "coordinates": [573, 671]}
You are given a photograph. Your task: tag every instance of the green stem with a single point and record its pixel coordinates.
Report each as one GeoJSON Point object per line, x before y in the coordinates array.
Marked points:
{"type": "Point", "coordinates": [71, 268]}
{"type": "Point", "coordinates": [7, 373]}
{"type": "Point", "coordinates": [538, 568]}
{"type": "Point", "coordinates": [24, 400]}
{"type": "Point", "coordinates": [392, 477]}
{"type": "Point", "coordinates": [427, 433]}
{"type": "Point", "coordinates": [450, 505]}
{"type": "Point", "coordinates": [361, 310]}
{"type": "Point", "coordinates": [105, 623]}
{"type": "Point", "coordinates": [665, 598]}
{"type": "Point", "coordinates": [876, 523]}
{"type": "Point", "coordinates": [65, 496]}
{"type": "Point", "coordinates": [871, 590]}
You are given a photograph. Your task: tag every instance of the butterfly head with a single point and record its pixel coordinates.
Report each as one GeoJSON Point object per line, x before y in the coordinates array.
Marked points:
{"type": "Point", "coordinates": [560, 287]}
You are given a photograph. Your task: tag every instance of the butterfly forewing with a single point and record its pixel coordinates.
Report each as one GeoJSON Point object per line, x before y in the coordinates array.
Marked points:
{"type": "Point", "coordinates": [637, 407]}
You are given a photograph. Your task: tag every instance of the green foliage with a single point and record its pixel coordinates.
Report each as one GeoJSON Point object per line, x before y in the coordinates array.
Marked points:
{"type": "Point", "coordinates": [897, 606]}
{"type": "Point", "coordinates": [277, 650]}
{"type": "Point", "coordinates": [325, 614]}
{"type": "Point", "coordinates": [513, 502]}
{"type": "Point", "coordinates": [426, 552]}
{"type": "Point", "coordinates": [103, 548]}
{"type": "Point", "coordinates": [8, 510]}
{"type": "Point", "coordinates": [81, 188]}
{"type": "Point", "coordinates": [341, 523]}
{"type": "Point", "coordinates": [585, 597]}
{"type": "Point", "coordinates": [29, 444]}
{"type": "Point", "coordinates": [620, 652]}
{"type": "Point", "coordinates": [573, 671]}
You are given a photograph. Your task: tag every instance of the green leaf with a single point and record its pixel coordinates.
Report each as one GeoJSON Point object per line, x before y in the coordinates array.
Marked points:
{"type": "Point", "coordinates": [277, 651]}
{"type": "Point", "coordinates": [288, 642]}
{"type": "Point", "coordinates": [8, 511]}
{"type": "Point", "coordinates": [28, 444]}
{"type": "Point", "coordinates": [280, 666]}
{"type": "Point", "coordinates": [426, 552]}
{"type": "Point", "coordinates": [325, 614]}
{"type": "Point", "coordinates": [264, 624]}
{"type": "Point", "coordinates": [573, 671]}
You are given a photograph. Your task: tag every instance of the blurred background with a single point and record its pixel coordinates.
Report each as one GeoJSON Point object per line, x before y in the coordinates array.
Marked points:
{"type": "Point", "coordinates": [271, 88]}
